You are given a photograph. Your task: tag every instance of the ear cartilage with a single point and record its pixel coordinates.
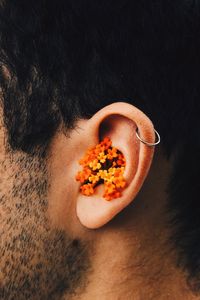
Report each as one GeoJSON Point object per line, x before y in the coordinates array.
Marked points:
{"type": "Point", "coordinates": [103, 164]}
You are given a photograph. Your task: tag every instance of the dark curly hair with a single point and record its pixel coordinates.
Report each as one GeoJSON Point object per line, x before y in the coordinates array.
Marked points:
{"type": "Point", "coordinates": [67, 59]}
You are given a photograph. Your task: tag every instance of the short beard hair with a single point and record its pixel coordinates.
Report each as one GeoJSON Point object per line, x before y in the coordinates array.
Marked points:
{"type": "Point", "coordinates": [37, 261]}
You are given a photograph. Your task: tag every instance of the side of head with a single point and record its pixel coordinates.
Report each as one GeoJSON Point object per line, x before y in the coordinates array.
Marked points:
{"type": "Point", "coordinates": [71, 74]}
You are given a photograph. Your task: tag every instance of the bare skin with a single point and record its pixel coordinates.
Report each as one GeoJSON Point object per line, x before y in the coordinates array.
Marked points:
{"type": "Point", "coordinates": [130, 257]}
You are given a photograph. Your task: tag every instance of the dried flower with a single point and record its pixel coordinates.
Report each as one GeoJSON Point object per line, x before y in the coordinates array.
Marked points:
{"type": "Point", "coordinates": [102, 164]}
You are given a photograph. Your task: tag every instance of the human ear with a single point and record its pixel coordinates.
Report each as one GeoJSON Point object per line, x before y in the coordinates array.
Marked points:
{"type": "Point", "coordinates": [119, 122]}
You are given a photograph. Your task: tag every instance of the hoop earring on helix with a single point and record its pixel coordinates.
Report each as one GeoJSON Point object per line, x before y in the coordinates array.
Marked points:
{"type": "Point", "coordinates": [105, 164]}
{"type": "Point", "coordinates": [145, 142]}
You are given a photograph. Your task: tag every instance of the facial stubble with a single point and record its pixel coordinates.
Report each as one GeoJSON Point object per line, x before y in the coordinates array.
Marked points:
{"type": "Point", "coordinates": [37, 261]}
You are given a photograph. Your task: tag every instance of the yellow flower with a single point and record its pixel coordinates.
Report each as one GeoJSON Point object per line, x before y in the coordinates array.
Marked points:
{"type": "Point", "coordinates": [95, 164]}
{"type": "Point", "coordinates": [102, 174]}
{"type": "Point", "coordinates": [102, 157]}
{"type": "Point", "coordinates": [94, 178]}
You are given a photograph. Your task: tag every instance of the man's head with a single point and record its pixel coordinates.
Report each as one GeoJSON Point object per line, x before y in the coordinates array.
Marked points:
{"type": "Point", "coordinates": [71, 73]}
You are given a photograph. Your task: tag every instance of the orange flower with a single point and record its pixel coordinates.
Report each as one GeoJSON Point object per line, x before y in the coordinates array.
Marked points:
{"type": "Point", "coordinates": [121, 160]}
{"type": "Point", "coordinates": [112, 153]}
{"type": "Point", "coordinates": [87, 189]}
{"type": "Point", "coordinates": [106, 143]}
{"type": "Point", "coordinates": [119, 182]}
{"type": "Point", "coordinates": [109, 188]}
{"type": "Point", "coordinates": [82, 176]}
{"type": "Point", "coordinates": [102, 163]}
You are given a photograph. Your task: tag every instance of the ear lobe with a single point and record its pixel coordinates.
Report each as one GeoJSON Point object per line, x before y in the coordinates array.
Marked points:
{"type": "Point", "coordinates": [118, 121]}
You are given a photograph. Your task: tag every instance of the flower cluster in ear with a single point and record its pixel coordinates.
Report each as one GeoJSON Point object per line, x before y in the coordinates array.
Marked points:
{"type": "Point", "coordinates": [102, 164]}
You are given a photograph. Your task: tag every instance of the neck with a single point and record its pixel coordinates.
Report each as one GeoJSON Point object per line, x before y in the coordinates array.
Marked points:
{"type": "Point", "coordinates": [131, 259]}
{"type": "Point", "coordinates": [128, 265]}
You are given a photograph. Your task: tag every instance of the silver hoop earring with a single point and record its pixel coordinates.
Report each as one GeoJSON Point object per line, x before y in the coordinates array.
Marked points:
{"type": "Point", "coordinates": [146, 143]}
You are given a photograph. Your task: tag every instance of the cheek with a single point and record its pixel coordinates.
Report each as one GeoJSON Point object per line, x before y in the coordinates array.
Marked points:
{"type": "Point", "coordinates": [9, 204]}
{"type": "Point", "coordinates": [2, 145]}
{"type": "Point", "coordinates": [2, 132]}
